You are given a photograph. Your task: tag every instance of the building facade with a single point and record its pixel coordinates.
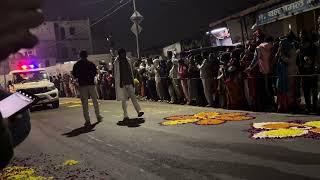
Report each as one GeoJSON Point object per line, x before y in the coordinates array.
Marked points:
{"type": "Point", "coordinates": [59, 42]}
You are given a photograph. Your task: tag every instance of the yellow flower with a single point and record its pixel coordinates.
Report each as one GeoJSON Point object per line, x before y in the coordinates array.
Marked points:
{"type": "Point", "coordinates": [70, 162]}
{"type": "Point", "coordinates": [315, 124]}
{"type": "Point", "coordinates": [206, 115]}
{"type": "Point", "coordinates": [17, 173]}
{"type": "Point", "coordinates": [178, 122]}
{"type": "Point", "coordinates": [281, 133]}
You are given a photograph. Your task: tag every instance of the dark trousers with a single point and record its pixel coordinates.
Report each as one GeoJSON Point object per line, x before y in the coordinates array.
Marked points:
{"type": "Point", "coordinates": [164, 88]}
{"type": "Point", "coordinates": [269, 92]}
{"type": "Point", "coordinates": [151, 85]}
{"type": "Point", "coordinates": [310, 87]}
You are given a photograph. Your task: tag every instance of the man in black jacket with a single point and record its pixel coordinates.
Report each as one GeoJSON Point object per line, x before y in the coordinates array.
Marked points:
{"type": "Point", "coordinates": [85, 72]}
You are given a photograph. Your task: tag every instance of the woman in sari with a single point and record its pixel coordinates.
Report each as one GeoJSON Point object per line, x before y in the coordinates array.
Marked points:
{"type": "Point", "coordinates": [287, 71]}
{"type": "Point", "coordinates": [235, 92]}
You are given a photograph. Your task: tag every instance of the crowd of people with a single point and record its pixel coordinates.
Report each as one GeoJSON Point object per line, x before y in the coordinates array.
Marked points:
{"type": "Point", "coordinates": [68, 86]}
{"type": "Point", "coordinates": [267, 74]}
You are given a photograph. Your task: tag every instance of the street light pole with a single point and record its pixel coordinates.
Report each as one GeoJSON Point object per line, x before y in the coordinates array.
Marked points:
{"type": "Point", "coordinates": [137, 27]}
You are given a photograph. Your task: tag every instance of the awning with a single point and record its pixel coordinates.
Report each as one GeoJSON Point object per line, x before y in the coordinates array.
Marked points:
{"type": "Point", "coordinates": [287, 10]}
{"type": "Point", "coordinates": [250, 10]}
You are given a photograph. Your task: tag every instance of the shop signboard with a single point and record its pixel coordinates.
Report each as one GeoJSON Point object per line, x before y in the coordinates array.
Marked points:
{"type": "Point", "coordinates": [287, 10]}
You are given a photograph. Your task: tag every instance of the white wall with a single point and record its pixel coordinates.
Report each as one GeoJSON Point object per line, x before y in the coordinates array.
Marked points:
{"type": "Point", "coordinates": [174, 47]}
{"type": "Point", "coordinates": [45, 32]}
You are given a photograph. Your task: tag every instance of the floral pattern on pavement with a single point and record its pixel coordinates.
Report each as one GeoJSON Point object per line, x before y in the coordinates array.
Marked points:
{"type": "Point", "coordinates": [48, 167]}
{"type": "Point", "coordinates": [282, 130]}
{"type": "Point", "coordinates": [206, 118]}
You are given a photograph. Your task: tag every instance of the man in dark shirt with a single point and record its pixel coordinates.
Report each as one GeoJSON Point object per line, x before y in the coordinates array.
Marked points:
{"type": "Point", "coordinates": [306, 63]}
{"type": "Point", "coordinates": [124, 84]}
{"type": "Point", "coordinates": [85, 72]}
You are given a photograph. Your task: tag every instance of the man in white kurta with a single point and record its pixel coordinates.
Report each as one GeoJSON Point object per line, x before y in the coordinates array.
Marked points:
{"type": "Point", "coordinates": [124, 84]}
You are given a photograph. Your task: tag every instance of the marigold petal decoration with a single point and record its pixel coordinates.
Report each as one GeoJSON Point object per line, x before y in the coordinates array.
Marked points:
{"type": "Point", "coordinates": [207, 122]}
{"type": "Point", "coordinates": [234, 117]}
{"type": "Point", "coordinates": [275, 125]}
{"type": "Point", "coordinates": [16, 172]}
{"type": "Point", "coordinates": [207, 115]}
{"type": "Point", "coordinates": [316, 130]}
{"type": "Point", "coordinates": [278, 125]}
{"type": "Point", "coordinates": [315, 124]}
{"type": "Point", "coordinates": [178, 122]}
{"type": "Point", "coordinates": [70, 163]}
{"type": "Point", "coordinates": [179, 117]}
{"type": "Point", "coordinates": [280, 133]}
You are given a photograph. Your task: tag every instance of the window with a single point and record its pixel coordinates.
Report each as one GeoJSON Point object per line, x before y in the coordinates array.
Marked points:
{"type": "Point", "coordinates": [72, 31]}
{"type": "Point", "coordinates": [62, 33]}
{"type": "Point", "coordinates": [33, 76]}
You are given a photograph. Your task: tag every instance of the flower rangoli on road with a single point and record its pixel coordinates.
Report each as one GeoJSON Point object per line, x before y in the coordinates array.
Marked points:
{"type": "Point", "coordinates": [24, 173]}
{"type": "Point", "coordinates": [206, 118]}
{"type": "Point", "coordinates": [280, 130]}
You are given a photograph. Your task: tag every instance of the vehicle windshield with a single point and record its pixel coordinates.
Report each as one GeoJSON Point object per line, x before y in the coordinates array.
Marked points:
{"type": "Point", "coordinates": [24, 77]}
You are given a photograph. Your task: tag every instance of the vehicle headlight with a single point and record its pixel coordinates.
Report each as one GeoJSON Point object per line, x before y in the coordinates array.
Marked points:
{"type": "Point", "coordinates": [51, 88]}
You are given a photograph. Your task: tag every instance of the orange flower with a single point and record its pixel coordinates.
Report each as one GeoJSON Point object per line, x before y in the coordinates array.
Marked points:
{"type": "Point", "coordinates": [210, 122]}
{"type": "Point", "coordinates": [234, 117]}
{"type": "Point", "coordinates": [317, 130]}
{"type": "Point", "coordinates": [280, 125]}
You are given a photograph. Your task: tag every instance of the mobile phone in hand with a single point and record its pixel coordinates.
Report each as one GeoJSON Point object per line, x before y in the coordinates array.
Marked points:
{"type": "Point", "coordinates": [15, 103]}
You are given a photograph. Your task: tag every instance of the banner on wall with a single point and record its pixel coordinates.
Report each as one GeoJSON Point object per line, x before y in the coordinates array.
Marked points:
{"type": "Point", "coordinates": [287, 10]}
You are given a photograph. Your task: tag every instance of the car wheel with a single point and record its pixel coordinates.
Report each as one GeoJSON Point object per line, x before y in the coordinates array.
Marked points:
{"type": "Point", "coordinates": [55, 105]}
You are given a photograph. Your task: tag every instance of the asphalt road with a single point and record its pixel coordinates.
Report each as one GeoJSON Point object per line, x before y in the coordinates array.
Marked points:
{"type": "Point", "coordinates": [152, 151]}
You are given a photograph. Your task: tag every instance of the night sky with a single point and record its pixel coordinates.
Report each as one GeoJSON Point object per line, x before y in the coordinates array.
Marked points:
{"type": "Point", "coordinates": [166, 21]}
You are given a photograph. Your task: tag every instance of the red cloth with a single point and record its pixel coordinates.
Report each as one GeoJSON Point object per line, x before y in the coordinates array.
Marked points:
{"type": "Point", "coordinates": [182, 71]}
{"type": "Point", "coordinates": [235, 96]}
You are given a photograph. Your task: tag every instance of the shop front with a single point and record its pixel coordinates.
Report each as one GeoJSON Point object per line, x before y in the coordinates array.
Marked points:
{"type": "Point", "coordinates": [293, 16]}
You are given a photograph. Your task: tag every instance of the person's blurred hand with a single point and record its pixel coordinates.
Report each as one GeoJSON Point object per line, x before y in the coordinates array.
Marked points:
{"type": "Point", "coordinates": [17, 18]}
